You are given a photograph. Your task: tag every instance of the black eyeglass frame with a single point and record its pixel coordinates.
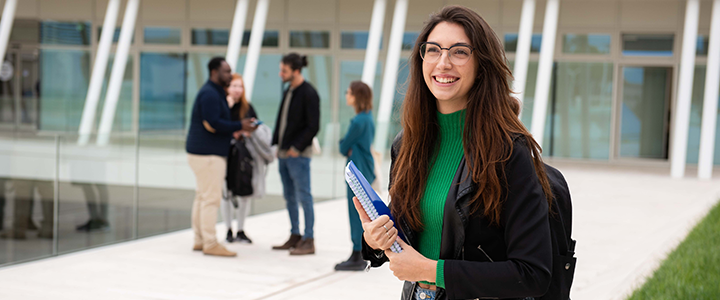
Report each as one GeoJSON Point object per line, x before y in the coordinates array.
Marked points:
{"type": "Point", "coordinates": [424, 44]}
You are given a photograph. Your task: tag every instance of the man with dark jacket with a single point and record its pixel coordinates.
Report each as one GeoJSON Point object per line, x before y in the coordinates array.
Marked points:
{"type": "Point", "coordinates": [208, 144]}
{"type": "Point", "coordinates": [297, 123]}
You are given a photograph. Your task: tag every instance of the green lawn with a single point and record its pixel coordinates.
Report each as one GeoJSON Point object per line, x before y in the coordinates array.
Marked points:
{"type": "Point", "coordinates": [692, 271]}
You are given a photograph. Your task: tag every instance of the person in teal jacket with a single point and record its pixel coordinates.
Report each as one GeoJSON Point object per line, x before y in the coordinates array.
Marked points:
{"type": "Point", "coordinates": [356, 146]}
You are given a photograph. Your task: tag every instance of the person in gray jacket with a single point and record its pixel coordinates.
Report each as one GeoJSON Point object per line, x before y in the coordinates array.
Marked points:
{"type": "Point", "coordinates": [258, 144]}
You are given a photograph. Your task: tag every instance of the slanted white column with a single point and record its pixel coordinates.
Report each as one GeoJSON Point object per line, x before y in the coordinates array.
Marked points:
{"type": "Point", "coordinates": [547, 51]}
{"type": "Point", "coordinates": [678, 151]}
{"type": "Point", "coordinates": [236, 34]}
{"type": "Point", "coordinates": [256, 35]}
{"type": "Point", "coordinates": [118, 71]}
{"type": "Point", "coordinates": [710, 103]}
{"type": "Point", "coordinates": [373, 45]}
{"type": "Point", "coordinates": [522, 53]}
{"type": "Point", "coordinates": [98, 72]}
{"type": "Point", "coordinates": [8, 16]}
{"type": "Point", "coordinates": [387, 94]}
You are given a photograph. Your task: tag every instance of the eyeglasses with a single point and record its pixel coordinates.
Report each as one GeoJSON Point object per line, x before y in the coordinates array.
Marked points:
{"type": "Point", "coordinates": [458, 54]}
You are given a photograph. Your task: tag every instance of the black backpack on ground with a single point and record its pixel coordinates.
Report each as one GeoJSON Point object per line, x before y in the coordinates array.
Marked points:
{"type": "Point", "coordinates": [239, 169]}
{"type": "Point", "coordinates": [563, 246]}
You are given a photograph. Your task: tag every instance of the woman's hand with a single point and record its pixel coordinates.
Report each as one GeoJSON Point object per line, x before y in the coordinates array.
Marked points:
{"type": "Point", "coordinates": [379, 234]}
{"type": "Point", "coordinates": [410, 265]}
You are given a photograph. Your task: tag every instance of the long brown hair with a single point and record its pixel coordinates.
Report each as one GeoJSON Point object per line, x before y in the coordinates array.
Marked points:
{"type": "Point", "coordinates": [490, 125]}
{"type": "Point", "coordinates": [363, 96]}
{"type": "Point", "coordinates": [244, 105]}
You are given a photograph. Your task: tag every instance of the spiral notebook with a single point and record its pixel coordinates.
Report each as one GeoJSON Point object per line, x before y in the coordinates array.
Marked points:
{"type": "Point", "coordinates": [369, 199]}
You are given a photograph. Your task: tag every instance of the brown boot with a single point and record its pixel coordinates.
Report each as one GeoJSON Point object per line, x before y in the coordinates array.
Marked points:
{"type": "Point", "coordinates": [218, 250]}
{"type": "Point", "coordinates": [197, 247]}
{"type": "Point", "coordinates": [291, 242]}
{"type": "Point", "coordinates": [306, 246]}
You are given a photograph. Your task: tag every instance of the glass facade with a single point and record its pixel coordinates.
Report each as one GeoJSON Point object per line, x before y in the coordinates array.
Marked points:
{"type": "Point", "coordinates": [582, 110]}
{"type": "Point", "coordinates": [511, 40]}
{"type": "Point", "coordinates": [644, 112]}
{"type": "Point", "coordinates": [271, 38]}
{"type": "Point", "coordinates": [161, 35]}
{"type": "Point", "coordinates": [586, 44]}
{"type": "Point", "coordinates": [210, 37]}
{"type": "Point", "coordinates": [647, 44]}
{"type": "Point", "coordinates": [310, 39]}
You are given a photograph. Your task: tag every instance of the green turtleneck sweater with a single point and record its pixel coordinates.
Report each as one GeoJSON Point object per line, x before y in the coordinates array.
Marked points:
{"type": "Point", "coordinates": [442, 171]}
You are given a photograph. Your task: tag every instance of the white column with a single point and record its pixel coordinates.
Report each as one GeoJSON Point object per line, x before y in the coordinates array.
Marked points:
{"type": "Point", "coordinates": [710, 103]}
{"type": "Point", "coordinates": [387, 94]}
{"type": "Point", "coordinates": [256, 35]}
{"type": "Point", "coordinates": [542, 88]}
{"type": "Point", "coordinates": [678, 151]}
{"type": "Point", "coordinates": [118, 71]}
{"type": "Point", "coordinates": [236, 34]}
{"type": "Point", "coordinates": [8, 16]}
{"type": "Point", "coordinates": [98, 72]}
{"type": "Point", "coordinates": [373, 45]}
{"type": "Point", "coordinates": [522, 53]}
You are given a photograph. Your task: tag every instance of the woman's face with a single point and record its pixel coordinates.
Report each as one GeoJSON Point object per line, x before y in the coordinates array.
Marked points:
{"type": "Point", "coordinates": [448, 82]}
{"type": "Point", "coordinates": [349, 98]}
{"type": "Point", "coordinates": [236, 89]}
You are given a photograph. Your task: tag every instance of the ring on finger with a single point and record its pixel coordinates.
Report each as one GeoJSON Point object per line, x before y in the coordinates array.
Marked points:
{"type": "Point", "coordinates": [388, 234]}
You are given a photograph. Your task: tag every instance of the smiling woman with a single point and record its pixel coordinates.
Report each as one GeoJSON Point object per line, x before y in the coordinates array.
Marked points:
{"type": "Point", "coordinates": [468, 184]}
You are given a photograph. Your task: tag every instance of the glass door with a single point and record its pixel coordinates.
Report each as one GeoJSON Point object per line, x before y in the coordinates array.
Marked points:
{"type": "Point", "coordinates": [19, 90]}
{"type": "Point", "coordinates": [8, 88]}
{"type": "Point", "coordinates": [645, 112]}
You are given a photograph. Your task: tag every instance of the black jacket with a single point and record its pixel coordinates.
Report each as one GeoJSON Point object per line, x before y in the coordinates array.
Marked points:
{"type": "Point", "coordinates": [303, 118]}
{"type": "Point", "coordinates": [512, 260]}
{"type": "Point", "coordinates": [210, 106]}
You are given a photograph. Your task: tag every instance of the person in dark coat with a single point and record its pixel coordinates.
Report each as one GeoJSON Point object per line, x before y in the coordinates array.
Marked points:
{"type": "Point", "coordinates": [468, 187]}
{"type": "Point", "coordinates": [356, 146]}
{"type": "Point", "coordinates": [207, 145]}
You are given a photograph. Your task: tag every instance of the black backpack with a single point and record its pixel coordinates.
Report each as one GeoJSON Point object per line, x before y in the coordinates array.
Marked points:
{"type": "Point", "coordinates": [239, 170]}
{"type": "Point", "coordinates": [563, 246]}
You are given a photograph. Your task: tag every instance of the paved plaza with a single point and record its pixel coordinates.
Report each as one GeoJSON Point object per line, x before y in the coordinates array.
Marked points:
{"type": "Point", "coordinates": [626, 219]}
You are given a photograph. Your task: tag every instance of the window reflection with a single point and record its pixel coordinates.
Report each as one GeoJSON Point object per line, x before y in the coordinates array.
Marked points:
{"type": "Point", "coordinates": [162, 91]}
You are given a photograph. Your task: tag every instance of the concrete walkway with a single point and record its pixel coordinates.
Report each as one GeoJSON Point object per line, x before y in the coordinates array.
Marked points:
{"type": "Point", "coordinates": [625, 220]}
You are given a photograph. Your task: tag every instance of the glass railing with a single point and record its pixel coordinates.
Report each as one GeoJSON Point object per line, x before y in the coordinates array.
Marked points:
{"type": "Point", "coordinates": [58, 196]}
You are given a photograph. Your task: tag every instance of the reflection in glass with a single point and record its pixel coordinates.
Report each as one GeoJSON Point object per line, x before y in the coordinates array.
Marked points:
{"type": "Point", "coordinates": [355, 40]}
{"type": "Point", "coordinates": [7, 93]}
{"type": "Point", "coordinates": [511, 40]}
{"type": "Point", "coordinates": [161, 35]}
{"type": "Point", "coordinates": [95, 193]}
{"type": "Point", "coordinates": [647, 44]}
{"type": "Point", "coordinates": [123, 109]}
{"type": "Point", "coordinates": [528, 104]}
{"type": "Point", "coordinates": [583, 109]}
{"type": "Point", "coordinates": [116, 35]}
{"type": "Point", "coordinates": [210, 36]}
{"type": "Point", "coordinates": [644, 114]}
{"type": "Point", "coordinates": [270, 38]}
{"type": "Point", "coordinates": [696, 110]}
{"type": "Point", "coordinates": [351, 70]}
{"type": "Point", "coordinates": [267, 90]}
{"type": "Point", "coordinates": [64, 33]}
{"type": "Point", "coordinates": [162, 91]}
{"type": "Point", "coordinates": [703, 42]}
{"type": "Point", "coordinates": [319, 73]}
{"type": "Point", "coordinates": [196, 76]}
{"type": "Point", "coordinates": [408, 41]}
{"type": "Point", "coordinates": [310, 39]}
{"type": "Point", "coordinates": [586, 43]}
{"type": "Point", "coordinates": [64, 79]}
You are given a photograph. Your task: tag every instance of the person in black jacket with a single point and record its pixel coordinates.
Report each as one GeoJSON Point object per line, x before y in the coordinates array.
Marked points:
{"type": "Point", "coordinates": [468, 186]}
{"type": "Point", "coordinates": [298, 121]}
{"type": "Point", "coordinates": [207, 145]}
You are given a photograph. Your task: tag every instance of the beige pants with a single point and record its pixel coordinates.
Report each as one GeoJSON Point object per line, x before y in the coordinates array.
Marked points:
{"type": "Point", "coordinates": [209, 175]}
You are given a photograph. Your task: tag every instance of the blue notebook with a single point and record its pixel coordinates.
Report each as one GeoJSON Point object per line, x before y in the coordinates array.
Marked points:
{"type": "Point", "coordinates": [369, 199]}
